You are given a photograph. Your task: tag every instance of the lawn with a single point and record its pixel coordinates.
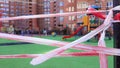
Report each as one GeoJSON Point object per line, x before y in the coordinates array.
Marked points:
{"type": "Point", "coordinates": [59, 62]}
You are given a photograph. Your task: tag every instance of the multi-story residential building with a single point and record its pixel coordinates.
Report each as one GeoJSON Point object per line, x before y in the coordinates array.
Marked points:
{"type": "Point", "coordinates": [31, 7]}
{"type": "Point", "coordinates": [43, 7]}
{"type": "Point", "coordinates": [12, 8]}
{"type": "Point", "coordinates": [76, 6]}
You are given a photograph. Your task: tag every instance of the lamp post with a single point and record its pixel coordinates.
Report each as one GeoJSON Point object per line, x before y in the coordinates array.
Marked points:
{"type": "Point", "coordinates": [116, 30]}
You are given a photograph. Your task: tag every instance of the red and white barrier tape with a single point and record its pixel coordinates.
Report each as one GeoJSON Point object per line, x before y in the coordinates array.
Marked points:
{"type": "Point", "coordinates": [57, 51]}
{"type": "Point", "coordinates": [53, 53]}
{"type": "Point", "coordinates": [102, 57]}
{"type": "Point", "coordinates": [49, 15]}
{"type": "Point", "coordinates": [111, 51]}
{"type": "Point", "coordinates": [72, 54]}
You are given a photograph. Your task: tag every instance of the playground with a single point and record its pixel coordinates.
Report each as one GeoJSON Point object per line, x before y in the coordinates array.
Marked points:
{"type": "Point", "coordinates": [41, 53]}
{"type": "Point", "coordinates": [85, 44]}
{"type": "Point", "coordinates": [58, 62]}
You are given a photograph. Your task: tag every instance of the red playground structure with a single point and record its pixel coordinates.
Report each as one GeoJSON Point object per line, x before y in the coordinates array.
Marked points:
{"type": "Point", "coordinates": [74, 33]}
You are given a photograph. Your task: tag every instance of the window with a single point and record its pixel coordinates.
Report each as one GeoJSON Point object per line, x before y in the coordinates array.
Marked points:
{"type": "Point", "coordinates": [72, 8]}
{"type": "Point", "coordinates": [30, 3]}
{"type": "Point", "coordinates": [1, 4]}
{"type": "Point", "coordinates": [69, 9]}
{"type": "Point", "coordinates": [30, 10]}
{"type": "Point", "coordinates": [110, 4]}
{"type": "Point", "coordinates": [72, 1]}
{"type": "Point", "coordinates": [61, 11]}
{"type": "Point", "coordinates": [45, 9]}
{"type": "Point", "coordinates": [47, 19]}
{"type": "Point", "coordinates": [61, 19]}
{"type": "Point", "coordinates": [46, 12]}
{"type": "Point", "coordinates": [61, 4]}
{"type": "Point", "coordinates": [30, 7]}
{"type": "Point", "coordinates": [30, 0]}
{"type": "Point", "coordinates": [96, 1]}
{"type": "Point", "coordinates": [54, 2]}
{"type": "Point", "coordinates": [71, 18]}
{"type": "Point", "coordinates": [81, 5]}
{"type": "Point", "coordinates": [81, 15]}
{"type": "Point", "coordinates": [69, 1]}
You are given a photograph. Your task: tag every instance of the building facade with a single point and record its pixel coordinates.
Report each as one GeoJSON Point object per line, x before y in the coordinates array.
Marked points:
{"type": "Point", "coordinates": [11, 8]}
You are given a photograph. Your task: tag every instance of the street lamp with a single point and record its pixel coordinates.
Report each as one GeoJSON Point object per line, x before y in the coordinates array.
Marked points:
{"type": "Point", "coordinates": [116, 27]}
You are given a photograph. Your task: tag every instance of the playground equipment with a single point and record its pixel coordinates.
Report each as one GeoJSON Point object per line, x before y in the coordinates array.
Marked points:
{"type": "Point", "coordinates": [92, 24]}
{"type": "Point", "coordinates": [57, 51]}
{"type": "Point", "coordinates": [86, 23]}
{"type": "Point", "coordinates": [102, 50]}
{"type": "Point", "coordinates": [97, 14]}
{"type": "Point", "coordinates": [117, 16]}
{"type": "Point", "coordinates": [74, 33]}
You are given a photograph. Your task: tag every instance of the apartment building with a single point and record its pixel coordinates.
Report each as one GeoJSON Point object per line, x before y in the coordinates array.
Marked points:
{"type": "Point", "coordinates": [76, 6]}
{"type": "Point", "coordinates": [43, 7]}
{"type": "Point", "coordinates": [11, 8]}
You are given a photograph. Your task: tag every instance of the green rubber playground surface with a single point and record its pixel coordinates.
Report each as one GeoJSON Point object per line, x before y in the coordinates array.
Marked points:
{"type": "Point", "coordinates": [59, 62]}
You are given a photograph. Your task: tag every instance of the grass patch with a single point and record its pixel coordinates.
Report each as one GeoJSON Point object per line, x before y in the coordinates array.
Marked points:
{"type": "Point", "coordinates": [59, 62]}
